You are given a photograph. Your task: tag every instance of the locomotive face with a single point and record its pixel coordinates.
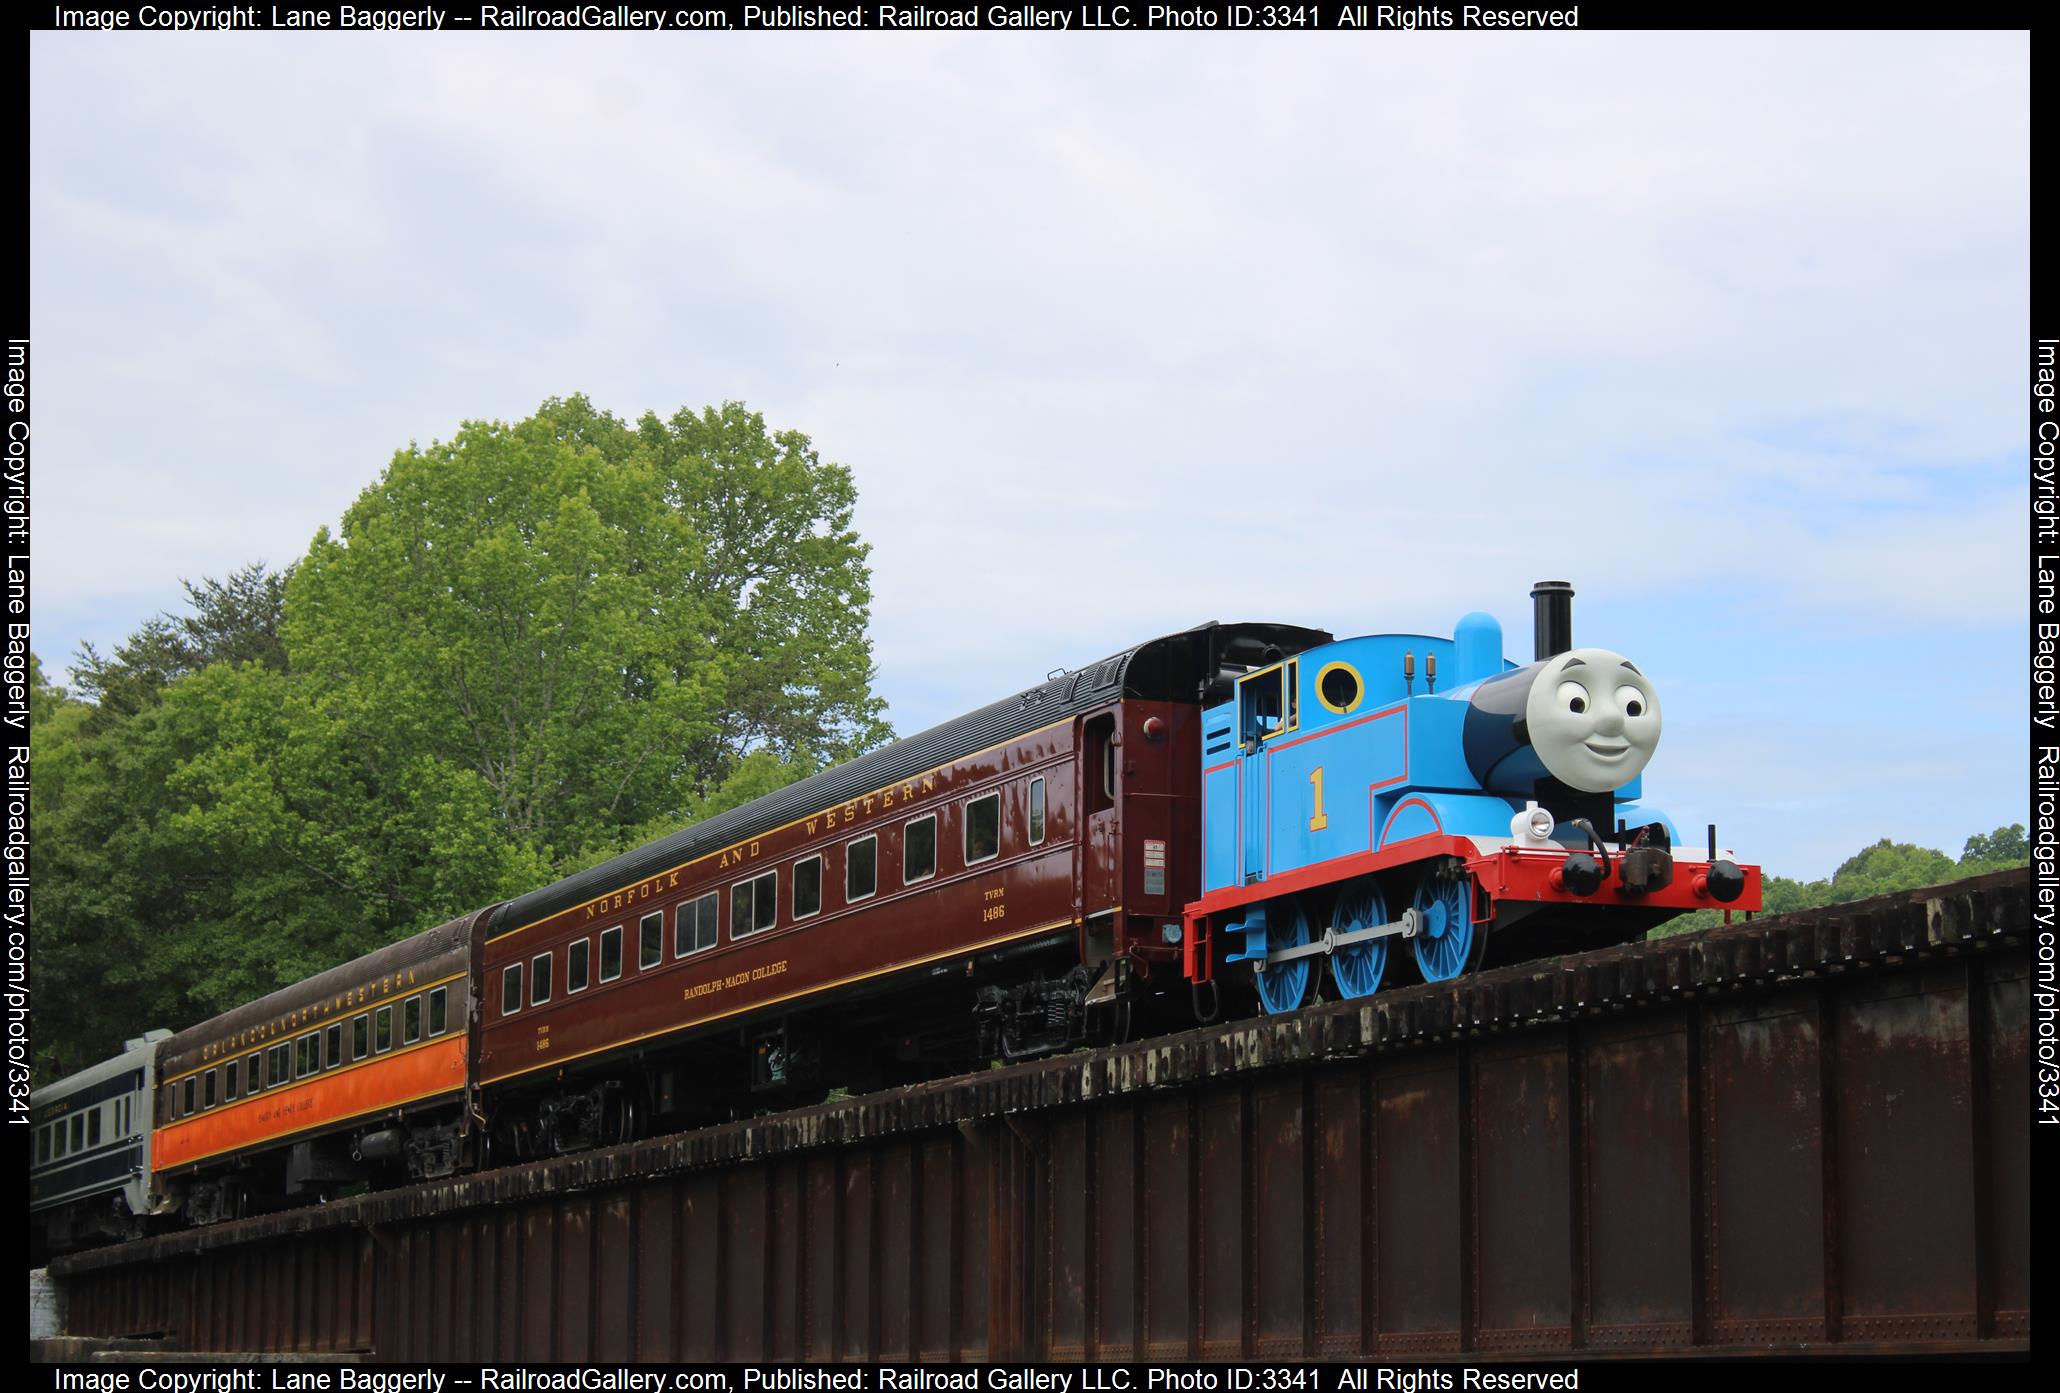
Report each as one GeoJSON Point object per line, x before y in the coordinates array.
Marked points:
{"type": "Point", "coordinates": [1593, 719]}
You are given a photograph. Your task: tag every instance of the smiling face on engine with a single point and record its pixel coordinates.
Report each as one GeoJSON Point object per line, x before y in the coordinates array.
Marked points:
{"type": "Point", "coordinates": [1593, 719]}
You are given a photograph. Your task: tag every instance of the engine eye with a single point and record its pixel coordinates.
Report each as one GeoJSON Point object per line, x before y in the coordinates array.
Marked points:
{"type": "Point", "coordinates": [1573, 696]}
{"type": "Point", "coordinates": [1631, 700]}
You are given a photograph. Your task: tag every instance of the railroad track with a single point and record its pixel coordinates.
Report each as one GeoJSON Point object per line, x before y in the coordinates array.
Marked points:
{"type": "Point", "coordinates": [1006, 1180]}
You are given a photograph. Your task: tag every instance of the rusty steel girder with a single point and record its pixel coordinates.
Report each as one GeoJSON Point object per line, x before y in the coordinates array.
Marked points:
{"type": "Point", "coordinates": [1809, 1132]}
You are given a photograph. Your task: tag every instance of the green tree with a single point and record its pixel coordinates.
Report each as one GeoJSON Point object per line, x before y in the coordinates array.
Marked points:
{"type": "Point", "coordinates": [1881, 869]}
{"type": "Point", "coordinates": [45, 697]}
{"type": "Point", "coordinates": [1996, 851]}
{"type": "Point", "coordinates": [233, 620]}
{"type": "Point", "coordinates": [230, 838]}
{"type": "Point", "coordinates": [754, 776]}
{"type": "Point", "coordinates": [517, 604]}
{"type": "Point", "coordinates": [600, 621]}
{"type": "Point", "coordinates": [1886, 867]}
{"type": "Point", "coordinates": [789, 570]}
{"type": "Point", "coordinates": [523, 650]}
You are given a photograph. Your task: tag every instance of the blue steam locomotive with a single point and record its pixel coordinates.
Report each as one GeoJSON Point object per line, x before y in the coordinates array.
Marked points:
{"type": "Point", "coordinates": [1397, 787]}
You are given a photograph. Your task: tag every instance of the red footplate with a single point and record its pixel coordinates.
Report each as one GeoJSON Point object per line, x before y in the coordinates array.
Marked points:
{"type": "Point", "coordinates": [1516, 873]}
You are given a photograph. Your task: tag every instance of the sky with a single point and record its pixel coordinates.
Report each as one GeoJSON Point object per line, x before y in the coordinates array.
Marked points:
{"type": "Point", "coordinates": [1120, 333]}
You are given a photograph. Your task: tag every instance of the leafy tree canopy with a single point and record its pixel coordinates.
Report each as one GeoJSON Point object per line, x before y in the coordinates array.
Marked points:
{"type": "Point", "coordinates": [1998, 850]}
{"type": "Point", "coordinates": [600, 621]}
{"type": "Point", "coordinates": [1880, 869]}
{"type": "Point", "coordinates": [232, 621]}
{"type": "Point", "coordinates": [524, 650]}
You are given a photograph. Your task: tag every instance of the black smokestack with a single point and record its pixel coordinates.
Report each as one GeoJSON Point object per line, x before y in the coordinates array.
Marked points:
{"type": "Point", "coordinates": [1552, 606]}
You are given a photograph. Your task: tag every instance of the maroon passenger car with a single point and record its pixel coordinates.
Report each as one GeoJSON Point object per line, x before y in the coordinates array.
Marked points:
{"type": "Point", "coordinates": [1009, 882]}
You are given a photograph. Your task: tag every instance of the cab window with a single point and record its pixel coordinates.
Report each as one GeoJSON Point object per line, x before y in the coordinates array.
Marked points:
{"type": "Point", "coordinates": [1266, 703]}
{"type": "Point", "coordinates": [1099, 769]}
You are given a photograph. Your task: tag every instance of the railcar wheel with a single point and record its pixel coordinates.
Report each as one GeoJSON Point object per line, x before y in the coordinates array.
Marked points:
{"type": "Point", "coordinates": [1282, 986]}
{"type": "Point", "coordinates": [619, 1121]}
{"type": "Point", "coordinates": [1445, 941]}
{"type": "Point", "coordinates": [1356, 968]}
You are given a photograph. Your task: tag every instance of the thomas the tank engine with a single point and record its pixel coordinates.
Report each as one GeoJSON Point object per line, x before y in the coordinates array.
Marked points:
{"type": "Point", "coordinates": [1349, 802]}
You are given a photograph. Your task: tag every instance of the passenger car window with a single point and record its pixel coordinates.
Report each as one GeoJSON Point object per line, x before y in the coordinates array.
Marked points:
{"type": "Point", "coordinates": [754, 904]}
{"type": "Point", "coordinates": [808, 887]}
{"type": "Point", "coordinates": [861, 868]}
{"type": "Point", "coordinates": [540, 979]}
{"type": "Point", "coordinates": [919, 849]}
{"type": "Point", "coordinates": [439, 1010]}
{"type": "Point", "coordinates": [1036, 811]}
{"type": "Point", "coordinates": [694, 926]}
{"type": "Point", "coordinates": [577, 956]}
{"type": "Point", "coordinates": [411, 1020]}
{"type": "Point", "coordinates": [983, 829]}
{"type": "Point", "coordinates": [651, 940]}
{"type": "Point", "coordinates": [382, 1029]}
{"type": "Point", "coordinates": [611, 953]}
{"type": "Point", "coordinates": [511, 989]}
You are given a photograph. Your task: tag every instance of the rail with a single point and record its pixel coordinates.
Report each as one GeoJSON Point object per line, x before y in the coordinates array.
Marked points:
{"type": "Point", "coordinates": [1804, 1132]}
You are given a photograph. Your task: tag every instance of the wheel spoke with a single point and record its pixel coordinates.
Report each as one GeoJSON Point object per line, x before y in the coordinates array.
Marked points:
{"type": "Point", "coordinates": [1444, 944]}
{"type": "Point", "coordinates": [1282, 986]}
{"type": "Point", "coordinates": [1356, 968]}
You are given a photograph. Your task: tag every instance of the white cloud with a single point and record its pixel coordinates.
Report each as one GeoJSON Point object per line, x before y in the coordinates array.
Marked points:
{"type": "Point", "coordinates": [1115, 335]}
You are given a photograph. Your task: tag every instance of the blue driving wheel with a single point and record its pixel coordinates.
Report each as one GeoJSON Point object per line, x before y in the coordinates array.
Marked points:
{"type": "Point", "coordinates": [1445, 928]}
{"type": "Point", "coordinates": [1283, 985]}
{"type": "Point", "coordinates": [1357, 967]}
